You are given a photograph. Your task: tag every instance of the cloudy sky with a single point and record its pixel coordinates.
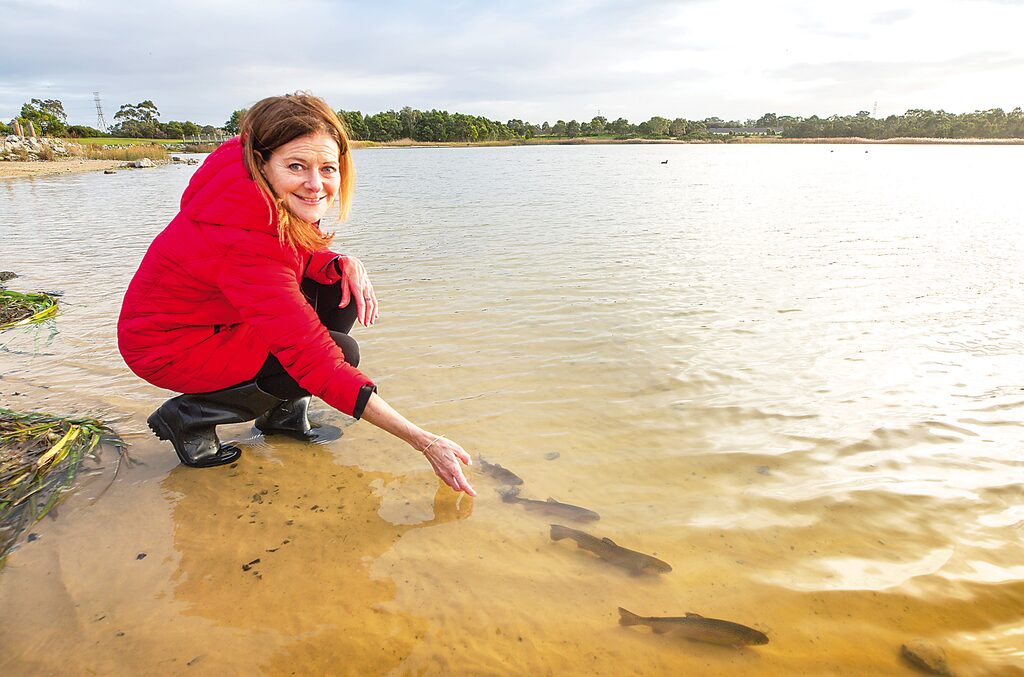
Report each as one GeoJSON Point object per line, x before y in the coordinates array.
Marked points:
{"type": "Point", "coordinates": [535, 60]}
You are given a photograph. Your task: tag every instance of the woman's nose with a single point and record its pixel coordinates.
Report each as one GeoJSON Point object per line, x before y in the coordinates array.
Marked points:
{"type": "Point", "coordinates": [314, 181]}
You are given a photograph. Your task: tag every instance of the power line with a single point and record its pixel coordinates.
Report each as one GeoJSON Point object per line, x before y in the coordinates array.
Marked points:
{"type": "Point", "coordinates": [101, 122]}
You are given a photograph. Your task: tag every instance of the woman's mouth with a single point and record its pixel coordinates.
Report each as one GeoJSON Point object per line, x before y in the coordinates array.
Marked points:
{"type": "Point", "coordinates": [309, 200]}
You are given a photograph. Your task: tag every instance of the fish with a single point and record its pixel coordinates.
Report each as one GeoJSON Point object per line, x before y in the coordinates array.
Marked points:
{"type": "Point", "coordinates": [495, 471]}
{"type": "Point", "coordinates": [550, 507]}
{"type": "Point", "coordinates": [636, 562]}
{"type": "Point", "coordinates": [697, 628]}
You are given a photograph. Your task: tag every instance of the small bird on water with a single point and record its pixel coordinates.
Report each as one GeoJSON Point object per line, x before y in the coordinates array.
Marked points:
{"type": "Point", "coordinates": [664, 162]}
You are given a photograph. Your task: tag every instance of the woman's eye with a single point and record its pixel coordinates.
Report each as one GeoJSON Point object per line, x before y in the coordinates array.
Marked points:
{"type": "Point", "coordinates": [329, 170]}
{"type": "Point", "coordinates": [295, 167]}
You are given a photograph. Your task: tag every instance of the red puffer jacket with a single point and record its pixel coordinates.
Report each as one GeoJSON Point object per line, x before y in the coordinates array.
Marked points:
{"type": "Point", "coordinates": [218, 291]}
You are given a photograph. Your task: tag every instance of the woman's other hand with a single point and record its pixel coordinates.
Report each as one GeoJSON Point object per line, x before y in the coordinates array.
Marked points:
{"type": "Point", "coordinates": [355, 285]}
{"type": "Point", "coordinates": [447, 458]}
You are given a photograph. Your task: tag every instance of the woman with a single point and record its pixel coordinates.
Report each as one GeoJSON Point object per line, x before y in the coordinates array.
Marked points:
{"type": "Point", "coordinates": [240, 305]}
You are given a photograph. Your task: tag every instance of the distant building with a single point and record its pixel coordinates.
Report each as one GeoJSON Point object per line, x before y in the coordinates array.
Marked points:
{"type": "Point", "coordinates": [756, 131]}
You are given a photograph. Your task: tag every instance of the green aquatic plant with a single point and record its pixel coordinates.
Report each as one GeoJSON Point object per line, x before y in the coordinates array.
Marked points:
{"type": "Point", "coordinates": [17, 308]}
{"type": "Point", "coordinates": [40, 456]}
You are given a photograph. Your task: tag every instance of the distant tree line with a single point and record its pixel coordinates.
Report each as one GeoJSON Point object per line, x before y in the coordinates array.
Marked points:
{"type": "Point", "coordinates": [987, 124]}
{"type": "Point", "coordinates": [142, 120]}
{"type": "Point", "coordinates": [441, 126]}
{"type": "Point", "coordinates": [432, 125]}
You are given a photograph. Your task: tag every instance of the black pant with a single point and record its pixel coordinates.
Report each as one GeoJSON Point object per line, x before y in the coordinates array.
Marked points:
{"type": "Point", "coordinates": [273, 379]}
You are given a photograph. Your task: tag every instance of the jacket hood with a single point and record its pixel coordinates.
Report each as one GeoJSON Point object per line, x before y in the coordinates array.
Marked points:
{"type": "Point", "coordinates": [222, 193]}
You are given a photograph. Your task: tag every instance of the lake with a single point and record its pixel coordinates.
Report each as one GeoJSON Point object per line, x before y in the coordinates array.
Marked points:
{"type": "Point", "coordinates": [793, 372]}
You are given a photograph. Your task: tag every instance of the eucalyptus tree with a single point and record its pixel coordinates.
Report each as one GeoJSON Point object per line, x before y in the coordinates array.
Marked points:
{"type": "Point", "coordinates": [47, 116]}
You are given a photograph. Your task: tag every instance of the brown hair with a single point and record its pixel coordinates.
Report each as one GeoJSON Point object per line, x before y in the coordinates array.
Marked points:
{"type": "Point", "coordinates": [278, 120]}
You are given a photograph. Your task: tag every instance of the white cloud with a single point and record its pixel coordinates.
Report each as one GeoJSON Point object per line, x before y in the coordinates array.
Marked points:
{"type": "Point", "coordinates": [532, 60]}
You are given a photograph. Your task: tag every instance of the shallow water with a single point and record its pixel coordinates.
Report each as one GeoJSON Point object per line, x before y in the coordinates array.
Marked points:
{"type": "Point", "coordinates": [793, 372]}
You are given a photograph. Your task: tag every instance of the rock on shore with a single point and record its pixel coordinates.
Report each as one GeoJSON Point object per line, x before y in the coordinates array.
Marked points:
{"type": "Point", "coordinates": [13, 147]}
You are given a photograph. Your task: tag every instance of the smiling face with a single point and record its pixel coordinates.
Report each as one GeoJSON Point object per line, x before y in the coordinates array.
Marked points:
{"type": "Point", "coordinates": [305, 174]}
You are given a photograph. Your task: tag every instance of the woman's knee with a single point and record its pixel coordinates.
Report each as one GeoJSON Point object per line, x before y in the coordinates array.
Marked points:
{"type": "Point", "coordinates": [324, 299]}
{"type": "Point", "coordinates": [348, 345]}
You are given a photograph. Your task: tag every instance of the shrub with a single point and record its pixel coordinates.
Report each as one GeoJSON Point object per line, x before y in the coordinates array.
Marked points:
{"type": "Point", "coordinates": [195, 147]}
{"type": "Point", "coordinates": [126, 153]}
{"type": "Point", "coordinates": [82, 132]}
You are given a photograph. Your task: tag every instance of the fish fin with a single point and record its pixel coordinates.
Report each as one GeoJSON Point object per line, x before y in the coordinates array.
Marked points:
{"type": "Point", "coordinates": [660, 629]}
{"type": "Point", "coordinates": [551, 500]}
{"type": "Point", "coordinates": [628, 617]}
{"type": "Point", "coordinates": [690, 613]}
{"type": "Point", "coordinates": [608, 541]}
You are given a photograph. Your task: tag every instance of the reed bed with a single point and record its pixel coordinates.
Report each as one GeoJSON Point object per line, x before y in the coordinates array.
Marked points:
{"type": "Point", "coordinates": [17, 308]}
{"type": "Point", "coordinates": [127, 153]}
{"type": "Point", "coordinates": [40, 456]}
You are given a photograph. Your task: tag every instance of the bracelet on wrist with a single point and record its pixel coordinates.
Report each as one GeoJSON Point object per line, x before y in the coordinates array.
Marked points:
{"type": "Point", "coordinates": [436, 438]}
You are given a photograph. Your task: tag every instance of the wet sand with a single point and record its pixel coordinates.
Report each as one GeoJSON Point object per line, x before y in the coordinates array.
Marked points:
{"type": "Point", "coordinates": [13, 170]}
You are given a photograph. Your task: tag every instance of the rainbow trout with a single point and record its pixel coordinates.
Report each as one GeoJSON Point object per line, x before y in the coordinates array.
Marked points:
{"type": "Point", "coordinates": [636, 562]}
{"type": "Point", "coordinates": [495, 471]}
{"type": "Point", "coordinates": [550, 507]}
{"type": "Point", "coordinates": [697, 628]}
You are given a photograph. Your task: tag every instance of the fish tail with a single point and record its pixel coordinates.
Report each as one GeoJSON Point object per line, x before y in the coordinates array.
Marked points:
{"type": "Point", "coordinates": [628, 617]}
{"type": "Point", "coordinates": [558, 532]}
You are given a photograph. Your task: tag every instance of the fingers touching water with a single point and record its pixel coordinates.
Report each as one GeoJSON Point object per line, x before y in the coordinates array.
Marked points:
{"type": "Point", "coordinates": [355, 286]}
{"type": "Point", "coordinates": [445, 456]}
{"type": "Point", "coordinates": [447, 459]}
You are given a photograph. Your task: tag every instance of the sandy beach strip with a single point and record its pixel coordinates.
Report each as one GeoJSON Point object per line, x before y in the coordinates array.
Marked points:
{"type": "Point", "coordinates": [13, 169]}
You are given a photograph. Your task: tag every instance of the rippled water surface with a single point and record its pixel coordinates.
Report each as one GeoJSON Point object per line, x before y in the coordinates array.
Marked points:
{"type": "Point", "coordinates": [792, 372]}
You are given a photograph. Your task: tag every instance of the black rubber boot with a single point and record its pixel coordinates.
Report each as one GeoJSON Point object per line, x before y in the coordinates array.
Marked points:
{"type": "Point", "coordinates": [290, 418]}
{"type": "Point", "coordinates": [189, 422]}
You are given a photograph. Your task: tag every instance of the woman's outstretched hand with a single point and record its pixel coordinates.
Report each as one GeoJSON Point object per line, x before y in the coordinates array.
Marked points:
{"type": "Point", "coordinates": [355, 285]}
{"type": "Point", "coordinates": [447, 457]}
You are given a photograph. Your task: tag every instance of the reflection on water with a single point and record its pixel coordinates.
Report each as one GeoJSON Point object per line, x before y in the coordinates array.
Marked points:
{"type": "Point", "coordinates": [793, 374]}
